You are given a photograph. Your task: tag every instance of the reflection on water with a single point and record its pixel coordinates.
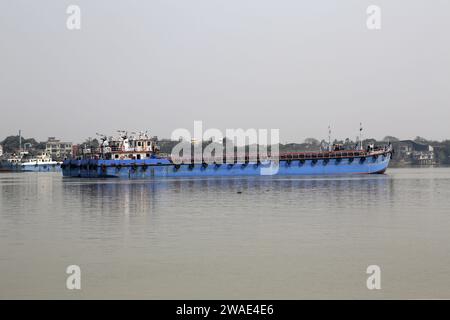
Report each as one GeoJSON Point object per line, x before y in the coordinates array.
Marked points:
{"type": "Point", "coordinates": [252, 237]}
{"type": "Point", "coordinates": [144, 197]}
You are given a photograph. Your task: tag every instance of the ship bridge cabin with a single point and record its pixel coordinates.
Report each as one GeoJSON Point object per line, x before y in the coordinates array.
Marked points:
{"type": "Point", "coordinates": [119, 155]}
{"type": "Point", "coordinates": [129, 148]}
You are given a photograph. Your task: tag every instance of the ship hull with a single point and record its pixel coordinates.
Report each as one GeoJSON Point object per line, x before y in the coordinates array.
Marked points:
{"type": "Point", "coordinates": [150, 168]}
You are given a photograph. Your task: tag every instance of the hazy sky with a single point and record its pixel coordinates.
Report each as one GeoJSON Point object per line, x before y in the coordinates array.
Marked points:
{"type": "Point", "coordinates": [289, 64]}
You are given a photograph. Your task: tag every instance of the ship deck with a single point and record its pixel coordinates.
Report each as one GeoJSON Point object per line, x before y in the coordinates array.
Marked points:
{"type": "Point", "coordinates": [289, 156]}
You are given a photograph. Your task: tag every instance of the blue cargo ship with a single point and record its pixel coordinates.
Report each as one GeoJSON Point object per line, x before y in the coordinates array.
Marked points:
{"type": "Point", "coordinates": [137, 158]}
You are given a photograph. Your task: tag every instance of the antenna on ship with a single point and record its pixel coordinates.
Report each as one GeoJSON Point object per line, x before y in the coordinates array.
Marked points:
{"type": "Point", "coordinates": [329, 138]}
{"type": "Point", "coordinates": [102, 137]}
{"type": "Point", "coordinates": [360, 135]}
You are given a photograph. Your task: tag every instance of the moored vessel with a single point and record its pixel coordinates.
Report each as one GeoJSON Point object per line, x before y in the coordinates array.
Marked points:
{"type": "Point", "coordinates": [24, 163]}
{"type": "Point", "coordinates": [137, 157]}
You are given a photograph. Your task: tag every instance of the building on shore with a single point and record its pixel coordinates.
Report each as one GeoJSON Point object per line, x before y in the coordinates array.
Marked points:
{"type": "Point", "coordinates": [76, 150]}
{"type": "Point", "coordinates": [1, 150]}
{"type": "Point", "coordinates": [413, 152]}
{"type": "Point", "coordinates": [58, 149]}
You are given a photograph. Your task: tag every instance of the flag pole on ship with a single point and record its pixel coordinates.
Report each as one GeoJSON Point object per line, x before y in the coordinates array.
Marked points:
{"type": "Point", "coordinates": [329, 138]}
{"type": "Point", "coordinates": [360, 135]}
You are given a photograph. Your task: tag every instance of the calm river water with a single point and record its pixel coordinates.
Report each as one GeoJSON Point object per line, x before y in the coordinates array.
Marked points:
{"type": "Point", "coordinates": [263, 237]}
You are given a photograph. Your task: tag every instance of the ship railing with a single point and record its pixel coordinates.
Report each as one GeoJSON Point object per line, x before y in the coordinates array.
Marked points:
{"type": "Point", "coordinates": [282, 156]}
{"type": "Point", "coordinates": [109, 149]}
{"type": "Point", "coordinates": [219, 160]}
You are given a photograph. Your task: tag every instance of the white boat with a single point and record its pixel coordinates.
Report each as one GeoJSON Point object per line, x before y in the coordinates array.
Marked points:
{"type": "Point", "coordinates": [40, 163]}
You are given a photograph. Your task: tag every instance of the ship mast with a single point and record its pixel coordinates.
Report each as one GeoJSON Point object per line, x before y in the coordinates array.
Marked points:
{"type": "Point", "coordinates": [360, 135]}
{"type": "Point", "coordinates": [20, 141]}
{"type": "Point", "coordinates": [329, 138]}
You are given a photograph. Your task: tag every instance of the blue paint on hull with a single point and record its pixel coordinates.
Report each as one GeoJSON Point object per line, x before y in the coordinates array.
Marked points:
{"type": "Point", "coordinates": [149, 168]}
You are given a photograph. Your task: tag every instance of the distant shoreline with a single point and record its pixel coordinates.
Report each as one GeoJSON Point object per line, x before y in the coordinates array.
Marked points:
{"type": "Point", "coordinates": [417, 166]}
